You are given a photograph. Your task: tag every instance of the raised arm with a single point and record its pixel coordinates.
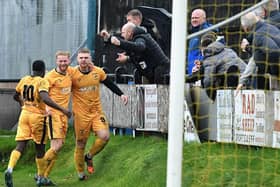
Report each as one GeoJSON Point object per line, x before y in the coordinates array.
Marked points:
{"type": "Point", "coordinates": [48, 101]}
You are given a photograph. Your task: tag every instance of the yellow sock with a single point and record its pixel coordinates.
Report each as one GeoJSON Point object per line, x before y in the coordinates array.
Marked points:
{"type": "Point", "coordinates": [41, 166]}
{"type": "Point", "coordinates": [14, 157]}
{"type": "Point", "coordinates": [50, 157]}
{"type": "Point", "coordinates": [49, 168]}
{"type": "Point", "coordinates": [98, 145]}
{"type": "Point", "coordinates": [79, 159]}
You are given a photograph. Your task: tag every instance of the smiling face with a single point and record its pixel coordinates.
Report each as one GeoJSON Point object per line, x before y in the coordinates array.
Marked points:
{"type": "Point", "coordinates": [198, 17]}
{"type": "Point", "coordinates": [62, 62]}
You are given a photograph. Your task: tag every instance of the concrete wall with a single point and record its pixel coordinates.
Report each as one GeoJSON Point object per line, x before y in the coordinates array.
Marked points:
{"type": "Point", "coordinates": [36, 30]}
{"type": "Point", "coordinates": [9, 109]}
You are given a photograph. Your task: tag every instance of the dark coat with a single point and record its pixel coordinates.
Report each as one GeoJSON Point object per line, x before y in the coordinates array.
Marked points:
{"type": "Point", "coordinates": [266, 48]}
{"type": "Point", "coordinates": [274, 18]}
{"type": "Point", "coordinates": [146, 54]}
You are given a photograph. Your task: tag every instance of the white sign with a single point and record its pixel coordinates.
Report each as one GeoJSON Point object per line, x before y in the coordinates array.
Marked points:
{"type": "Point", "coordinates": [151, 109]}
{"type": "Point", "coordinates": [249, 122]}
{"type": "Point", "coordinates": [276, 127]}
{"type": "Point", "coordinates": [190, 132]}
{"type": "Point", "coordinates": [224, 115]}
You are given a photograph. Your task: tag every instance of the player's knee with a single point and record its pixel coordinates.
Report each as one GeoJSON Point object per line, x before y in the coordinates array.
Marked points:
{"type": "Point", "coordinates": [40, 153]}
{"type": "Point", "coordinates": [81, 144]}
{"type": "Point", "coordinates": [57, 144]}
{"type": "Point", "coordinates": [21, 146]}
{"type": "Point", "coordinates": [40, 150]}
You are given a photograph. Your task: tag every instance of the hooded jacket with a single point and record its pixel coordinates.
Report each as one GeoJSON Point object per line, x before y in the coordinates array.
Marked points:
{"type": "Point", "coordinates": [218, 61]}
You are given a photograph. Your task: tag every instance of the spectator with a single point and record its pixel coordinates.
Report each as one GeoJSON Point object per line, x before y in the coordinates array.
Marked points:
{"type": "Point", "coordinates": [135, 16]}
{"type": "Point", "coordinates": [246, 51]}
{"type": "Point", "coordinates": [272, 12]}
{"type": "Point", "coordinates": [269, 12]}
{"type": "Point", "coordinates": [141, 50]}
{"type": "Point", "coordinates": [198, 22]}
{"type": "Point", "coordinates": [265, 47]}
{"type": "Point", "coordinates": [219, 66]}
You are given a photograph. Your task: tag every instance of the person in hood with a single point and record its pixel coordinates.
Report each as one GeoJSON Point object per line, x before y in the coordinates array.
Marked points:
{"type": "Point", "coordinates": [220, 67]}
{"type": "Point", "coordinates": [143, 51]}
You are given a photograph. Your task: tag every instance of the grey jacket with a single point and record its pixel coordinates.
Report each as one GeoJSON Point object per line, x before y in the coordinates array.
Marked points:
{"type": "Point", "coordinates": [217, 63]}
{"type": "Point", "coordinates": [217, 60]}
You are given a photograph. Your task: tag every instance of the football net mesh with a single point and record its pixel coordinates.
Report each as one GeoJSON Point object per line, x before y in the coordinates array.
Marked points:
{"type": "Point", "coordinates": [233, 139]}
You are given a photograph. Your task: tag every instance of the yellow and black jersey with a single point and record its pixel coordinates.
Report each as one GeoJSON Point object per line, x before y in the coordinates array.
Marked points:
{"type": "Point", "coordinates": [59, 88]}
{"type": "Point", "coordinates": [29, 88]}
{"type": "Point", "coordinates": [85, 88]}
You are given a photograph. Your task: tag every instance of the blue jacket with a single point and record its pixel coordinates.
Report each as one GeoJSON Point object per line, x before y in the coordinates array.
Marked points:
{"type": "Point", "coordinates": [193, 49]}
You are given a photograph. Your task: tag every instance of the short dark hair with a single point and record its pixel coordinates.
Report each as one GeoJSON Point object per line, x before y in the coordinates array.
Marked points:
{"type": "Point", "coordinates": [38, 65]}
{"type": "Point", "coordinates": [134, 13]}
{"type": "Point", "coordinates": [84, 50]}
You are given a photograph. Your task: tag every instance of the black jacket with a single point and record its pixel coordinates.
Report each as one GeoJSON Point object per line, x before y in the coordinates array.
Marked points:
{"type": "Point", "coordinates": [145, 53]}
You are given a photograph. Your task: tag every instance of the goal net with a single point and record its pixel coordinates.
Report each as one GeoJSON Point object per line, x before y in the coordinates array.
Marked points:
{"type": "Point", "coordinates": [239, 131]}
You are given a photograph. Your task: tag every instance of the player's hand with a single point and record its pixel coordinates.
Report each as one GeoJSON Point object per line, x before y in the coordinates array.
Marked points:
{"type": "Point", "coordinates": [124, 99]}
{"type": "Point", "coordinates": [122, 58]}
{"type": "Point", "coordinates": [67, 113]}
{"type": "Point", "coordinates": [48, 112]}
{"type": "Point", "coordinates": [115, 41]}
{"type": "Point", "coordinates": [91, 65]}
{"type": "Point", "coordinates": [238, 88]}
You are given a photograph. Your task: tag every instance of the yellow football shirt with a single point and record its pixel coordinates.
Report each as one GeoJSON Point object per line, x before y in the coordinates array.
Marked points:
{"type": "Point", "coordinates": [86, 90]}
{"type": "Point", "coordinates": [59, 88]}
{"type": "Point", "coordinates": [29, 88]}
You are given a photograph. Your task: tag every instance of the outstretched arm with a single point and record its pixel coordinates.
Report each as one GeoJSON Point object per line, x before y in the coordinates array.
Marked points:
{"type": "Point", "coordinates": [45, 97]}
{"type": "Point", "coordinates": [245, 76]}
{"type": "Point", "coordinates": [115, 89]}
